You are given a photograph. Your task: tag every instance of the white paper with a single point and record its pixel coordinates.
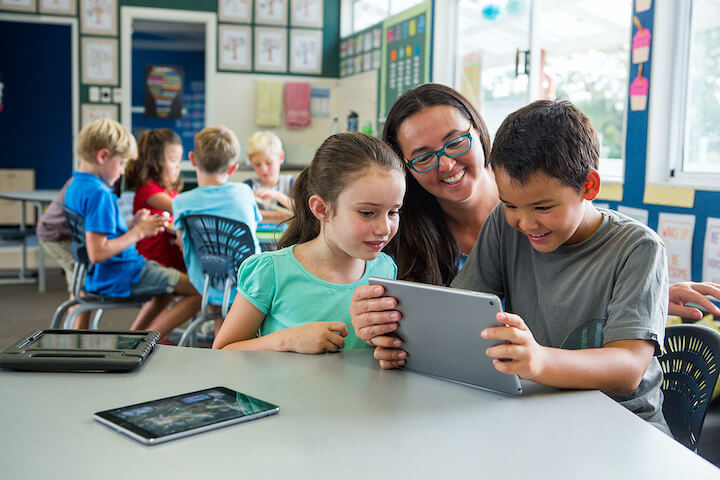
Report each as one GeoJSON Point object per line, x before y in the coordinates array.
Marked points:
{"type": "Point", "coordinates": [676, 232]}
{"type": "Point", "coordinates": [606, 206]}
{"type": "Point", "coordinates": [639, 214]}
{"type": "Point", "coordinates": [711, 251]}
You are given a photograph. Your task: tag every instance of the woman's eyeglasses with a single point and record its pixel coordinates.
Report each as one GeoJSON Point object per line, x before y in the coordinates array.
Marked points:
{"type": "Point", "coordinates": [454, 148]}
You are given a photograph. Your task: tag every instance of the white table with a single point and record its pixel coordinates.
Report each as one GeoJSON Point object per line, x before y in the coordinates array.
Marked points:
{"type": "Point", "coordinates": [340, 416]}
{"type": "Point", "coordinates": [39, 198]}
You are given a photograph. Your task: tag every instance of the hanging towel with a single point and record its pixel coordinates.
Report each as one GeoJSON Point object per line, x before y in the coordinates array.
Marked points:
{"type": "Point", "coordinates": [297, 104]}
{"type": "Point", "coordinates": [268, 104]}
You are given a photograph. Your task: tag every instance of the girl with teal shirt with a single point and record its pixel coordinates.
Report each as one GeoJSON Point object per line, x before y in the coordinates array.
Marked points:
{"type": "Point", "coordinates": [347, 205]}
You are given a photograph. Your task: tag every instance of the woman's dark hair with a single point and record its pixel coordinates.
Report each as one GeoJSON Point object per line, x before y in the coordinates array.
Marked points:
{"type": "Point", "coordinates": [338, 161]}
{"type": "Point", "coordinates": [150, 160]}
{"type": "Point", "coordinates": [424, 249]}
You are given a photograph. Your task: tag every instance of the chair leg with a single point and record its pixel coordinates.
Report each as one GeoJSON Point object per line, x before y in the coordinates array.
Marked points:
{"type": "Point", "coordinates": [96, 319]}
{"type": "Point", "coordinates": [70, 319]}
{"type": "Point", "coordinates": [189, 336]}
{"type": "Point", "coordinates": [61, 311]}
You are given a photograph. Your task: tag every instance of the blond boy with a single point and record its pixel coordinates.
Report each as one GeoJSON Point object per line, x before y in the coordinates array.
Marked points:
{"type": "Point", "coordinates": [271, 189]}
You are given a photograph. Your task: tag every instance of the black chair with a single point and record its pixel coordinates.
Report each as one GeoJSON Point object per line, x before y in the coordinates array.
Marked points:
{"type": "Point", "coordinates": [220, 245]}
{"type": "Point", "coordinates": [690, 367]}
{"type": "Point", "coordinates": [86, 301]}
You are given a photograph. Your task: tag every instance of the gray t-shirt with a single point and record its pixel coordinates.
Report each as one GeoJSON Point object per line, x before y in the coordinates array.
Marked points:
{"type": "Point", "coordinates": [613, 286]}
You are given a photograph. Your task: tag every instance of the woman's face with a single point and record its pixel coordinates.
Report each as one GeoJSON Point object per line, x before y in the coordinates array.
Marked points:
{"type": "Point", "coordinates": [454, 179]}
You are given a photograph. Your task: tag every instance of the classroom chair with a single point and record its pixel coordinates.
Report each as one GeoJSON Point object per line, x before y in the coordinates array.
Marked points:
{"type": "Point", "coordinates": [83, 300]}
{"type": "Point", "coordinates": [220, 245]}
{"type": "Point", "coordinates": [690, 368]}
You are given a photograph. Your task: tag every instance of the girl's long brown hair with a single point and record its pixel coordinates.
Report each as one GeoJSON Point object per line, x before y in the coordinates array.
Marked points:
{"type": "Point", "coordinates": [150, 160]}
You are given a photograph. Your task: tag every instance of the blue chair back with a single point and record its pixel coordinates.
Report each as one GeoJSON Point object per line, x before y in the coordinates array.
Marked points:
{"type": "Point", "coordinates": [690, 369]}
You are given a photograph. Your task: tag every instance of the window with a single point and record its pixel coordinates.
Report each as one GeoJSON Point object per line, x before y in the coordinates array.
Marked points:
{"type": "Point", "coordinates": [581, 47]}
{"type": "Point", "coordinates": [364, 13]}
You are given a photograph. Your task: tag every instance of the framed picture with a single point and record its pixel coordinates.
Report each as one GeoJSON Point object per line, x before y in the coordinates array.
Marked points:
{"type": "Point", "coordinates": [306, 51]}
{"type": "Point", "coordinates": [98, 17]}
{"type": "Point", "coordinates": [19, 5]}
{"type": "Point", "coordinates": [99, 61]}
{"type": "Point", "coordinates": [270, 49]}
{"type": "Point", "coordinates": [306, 13]}
{"type": "Point", "coordinates": [58, 7]}
{"type": "Point", "coordinates": [271, 12]}
{"type": "Point", "coordinates": [93, 111]}
{"type": "Point", "coordinates": [234, 48]}
{"type": "Point", "coordinates": [239, 11]}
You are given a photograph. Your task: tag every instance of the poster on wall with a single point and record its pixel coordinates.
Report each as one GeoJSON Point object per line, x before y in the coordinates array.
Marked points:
{"type": "Point", "coordinates": [58, 7]}
{"type": "Point", "coordinates": [405, 55]}
{"type": "Point", "coordinates": [271, 12]}
{"type": "Point", "coordinates": [99, 61]}
{"type": "Point", "coordinates": [91, 111]}
{"type": "Point", "coordinates": [163, 91]}
{"type": "Point", "coordinates": [235, 47]}
{"type": "Point", "coordinates": [98, 17]}
{"type": "Point", "coordinates": [18, 5]}
{"type": "Point", "coordinates": [676, 232]}
{"type": "Point", "coordinates": [711, 252]}
{"type": "Point", "coordinates": [306, 51]}
{"type": "Point", "coordinates": [270, 49]}
{"type": "Point", "coordinates": [239, 11]}
{"type": "Point", "coordinates": [639, 214]}
{"type": "Point", "coordinates": [306, 13]}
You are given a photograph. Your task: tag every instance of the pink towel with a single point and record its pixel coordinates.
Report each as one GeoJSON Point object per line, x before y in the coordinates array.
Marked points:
{"type": "Point", "coordinates": [297, 104]}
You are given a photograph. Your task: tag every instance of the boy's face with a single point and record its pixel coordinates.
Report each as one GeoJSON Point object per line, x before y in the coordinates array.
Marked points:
{"type": "Point", "coordinates": [549, 212]}
{"type": "Point", "coordinates": [111, 168]}
{"type": "Point", "coordinates": [267, 167]}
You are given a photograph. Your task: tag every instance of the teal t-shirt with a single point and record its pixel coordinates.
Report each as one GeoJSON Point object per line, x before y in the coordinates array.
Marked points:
{"type": "Point", "coordinates": [290, 296]}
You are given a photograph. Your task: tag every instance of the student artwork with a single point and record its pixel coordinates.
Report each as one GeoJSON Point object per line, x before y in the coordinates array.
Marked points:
{"type": "Point", "coordinates": [163, 91]}
{"type": "Point", "coordinates": [270, 53]}
{"type": "Point", "coordinates": [306, 51]}
{"type": "Point", "coordinates": [99, 65]}
{"type": "Point", "coordinates": [239, 11]}
{"type": "Point", "coordinates": [98, 17]}
{"type": "Point", "coordinates": [58, 7]}
{"type": "Point", "coordinates": [306, 13]}
{"type": "Point", "coordinates": [676, 232]}
{"type": "Point", "coordinates": [271, 12]}
{"type": "Point", "coordinates": [642, 5]}
{"type": "Point", "coordinates": [235, 47]}
{"type": "Point", "coordinates": [641, 43]}
{"type": "Point", "coordinates": [639, 89]}
{"type": "Point", "coordinates": [711, 251]}
{"type": "Point", "coordinates": [639, 214]}
{"type": "Point", "coordinates": [91, 111]}
{"type": "Point", "coordinates": [18, 5]}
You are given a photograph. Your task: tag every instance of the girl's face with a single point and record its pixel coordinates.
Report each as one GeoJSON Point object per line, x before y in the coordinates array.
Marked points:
{"type": "Point", "coordinates": [366, 214]}
{"type": "Point", "coordinates": [454, 179]}
{"type": "Point", "coordinates": [171, 163]}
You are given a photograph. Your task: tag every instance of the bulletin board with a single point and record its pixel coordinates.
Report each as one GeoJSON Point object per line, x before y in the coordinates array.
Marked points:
{"type": "Point", "coordinates": [405, 63]}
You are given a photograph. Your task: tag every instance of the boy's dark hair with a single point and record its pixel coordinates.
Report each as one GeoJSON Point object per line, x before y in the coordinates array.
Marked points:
{"type": "Point", "coordinates": [340, 159]}
{"type": "Point", "coordinates": [150, 162]}
{"type": "Point", "coordinates": [551, 137]}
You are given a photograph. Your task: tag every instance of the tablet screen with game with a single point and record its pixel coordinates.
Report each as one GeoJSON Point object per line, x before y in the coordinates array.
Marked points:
{"type": "Point", "coordinates": [175, 417]}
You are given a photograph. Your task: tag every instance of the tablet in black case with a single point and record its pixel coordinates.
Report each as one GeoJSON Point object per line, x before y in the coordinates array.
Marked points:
{"type": "Point", "coordinates": [79, 350]}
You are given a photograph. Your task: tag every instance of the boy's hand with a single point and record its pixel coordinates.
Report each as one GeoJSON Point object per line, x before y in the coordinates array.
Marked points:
{"type": "Point", "coordinates": [268, 193]}
{"type": "Point", "coordinates": [140, 214]}
{"type": "Point", "coordinates": [522, 355]}
{"type": "Point", "coordinates": [317, 337]}
{"type": "Point", "coordinates": [690, 292]}
{"type": "Point", "coordinates": [149, 225]}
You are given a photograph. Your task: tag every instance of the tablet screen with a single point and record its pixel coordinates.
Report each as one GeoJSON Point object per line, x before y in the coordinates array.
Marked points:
{"type": "Point", "coordinates": [86, 341]}
{"type": "Point", "coordinates": [190, 411]}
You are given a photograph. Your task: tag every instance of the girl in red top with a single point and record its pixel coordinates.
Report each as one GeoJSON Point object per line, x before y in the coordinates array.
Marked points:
{"type": "Point", "coordinates": [155, 177]}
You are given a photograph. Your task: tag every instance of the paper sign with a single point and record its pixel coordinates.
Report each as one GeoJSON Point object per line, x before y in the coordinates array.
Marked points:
{"type": "Point", "coordinates": [606, 206]}
{"type": "Point", "coordinates": [639, 214]}
{"type": "Point", "coordinates": [671, 196]}
{"type": "Point", "coordinates": [676, 232]}
{"type": "Point", "coordinates": [711, 251]}
{"type": "Point", "coordinates": [611, 191]}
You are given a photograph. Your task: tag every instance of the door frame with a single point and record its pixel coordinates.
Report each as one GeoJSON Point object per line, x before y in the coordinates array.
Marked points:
{"type": "Point", "coordinates": [128, 14]}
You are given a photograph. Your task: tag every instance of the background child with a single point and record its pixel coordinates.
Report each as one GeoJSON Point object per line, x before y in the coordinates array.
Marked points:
{"type": "Point", "coordinates": [104, 147]}
{"type": "Point", "coordinates": [215, 159]}
{"type": "Point", "coordinates": [272, 189]}
{"type": "Point", "coordinates": [347, 205]}
{"type": "Point", "coordinates": [155, 177]}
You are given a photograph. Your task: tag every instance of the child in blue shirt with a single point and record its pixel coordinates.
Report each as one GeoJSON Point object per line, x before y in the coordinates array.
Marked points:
{"type": "Point", "coordinates": [215, 159]}
{"type": "Point", "coordinates": [347, 205]}
{"type": "Point", "coordinates": [104, 147]}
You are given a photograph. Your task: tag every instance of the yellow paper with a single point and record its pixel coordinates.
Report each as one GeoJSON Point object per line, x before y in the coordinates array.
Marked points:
{"type": "Point", "coordinates": [610, 191]}
{"type": "Point", "coordinates": [673, 320]}
{"type": "Point", "coordinates": [671, 196]}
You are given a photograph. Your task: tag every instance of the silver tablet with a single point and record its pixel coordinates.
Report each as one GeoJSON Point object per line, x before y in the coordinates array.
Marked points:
{"type": "Point", "coordinates": [440, 330]}
{"type": "Point", "coordinates": [175, 417]}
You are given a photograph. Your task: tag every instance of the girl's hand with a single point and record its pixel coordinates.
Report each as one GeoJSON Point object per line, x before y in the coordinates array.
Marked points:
{"type": "Point", "coordinates": [372, 314]}
{"type": "Point", "coordinates": [522, 355]}
{"type": "Point", "coordinates": [317, 337]}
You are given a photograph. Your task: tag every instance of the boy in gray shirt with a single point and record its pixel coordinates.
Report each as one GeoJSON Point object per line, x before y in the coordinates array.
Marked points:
{"type": "Point", "coordinates": [587, 288]}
